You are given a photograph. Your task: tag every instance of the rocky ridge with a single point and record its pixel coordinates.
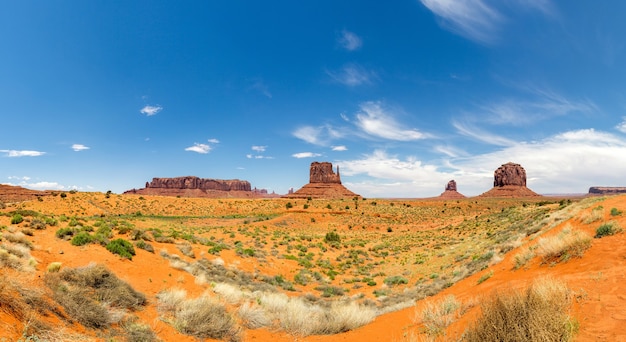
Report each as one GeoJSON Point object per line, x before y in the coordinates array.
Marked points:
{"type": "Point", "coordinates": [192, 186]}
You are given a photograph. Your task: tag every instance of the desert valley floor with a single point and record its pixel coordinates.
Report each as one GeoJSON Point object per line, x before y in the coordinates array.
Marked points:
{"type": "Point", "coordinates": [81, 266]}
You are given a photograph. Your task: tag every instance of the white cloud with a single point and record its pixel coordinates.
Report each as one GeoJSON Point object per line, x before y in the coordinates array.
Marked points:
{"type": "Point", "coordinates": [622, 125]}
{"type": "Point", "coordinates": [569, 162]}
{"type": "Point", "coordinates": [339, 148]}
{"type": "Point", "coordinates": [350, 41]}
{"type": "Point", "coordinates": [23, 153]}
{"type": "Point", "coordinates": [213, 141]}
{"type": "Point", "coordinates": [352, 75]}
{"type": "Point", "coordinates": [151, 110]}
{"type": "Point", "coordinates": [481, 135]}
{"type": "Point", "coordinates": [321, 135]}
{"type": "Point", "coordinates": [199, 148]}
{"type": "Point", "coordinates": [79, 147]}
{"type": "Point", "coordinates": [473, 19]}
{"type": "Point", "coordinates": [306, 155]}
{"type": "Point", "coordinates": [40, 185]}
{"type": "Point", "coordinates": [259, 148]}
{"type": "Point", "coordinates": [378, 122]}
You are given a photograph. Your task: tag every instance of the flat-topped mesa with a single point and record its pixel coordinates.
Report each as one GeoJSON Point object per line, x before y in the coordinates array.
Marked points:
{"type": "Point", "coordinates": [509, 174]}
{"type": "Point", "coordinates": [509, 180]}
{"type": "Point", "coordinates": [607, 190]}
{"type": "Point", "coordinates": [323, 183]}
{"type": "Point", "coordinates": [193, 182]}
{"type": "Point", "coordinates": [323, 173]}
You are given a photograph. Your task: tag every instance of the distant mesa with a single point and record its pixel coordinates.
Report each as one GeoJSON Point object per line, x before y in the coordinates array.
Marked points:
{"type": "Point", "coordinates": [323, 183]}
{"type": "Point", "coordinates": [11, 193]}
{"type": "Point", "coordinates": [510, 181]}
{"type": "Point", "coordinates": [451, 192]}
{"type": "Point", "coordinates": [192, 186]}
{"type": "Point", "coordinates": [607, 190]}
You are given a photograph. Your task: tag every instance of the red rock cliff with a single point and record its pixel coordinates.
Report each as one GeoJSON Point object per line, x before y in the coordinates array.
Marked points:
{"type": "Point", "coordinates": [192, 182]}
{"type": "Point", "coordinates": [323, 173]}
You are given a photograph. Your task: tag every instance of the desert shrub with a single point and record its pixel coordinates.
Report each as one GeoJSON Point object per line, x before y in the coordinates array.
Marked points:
{"type": "Point", "coordinates": [145, 246]}
{"type": "Point", "coordinates": [37, 223]}
{"type": "Point", "coordinates": [135, 331]}
{"type": "Point", "coordinates": [395, 280]}
{"type": "Point", "coordinates": [288, 205]}
{"type": "Point", "coordinates": [54, 267]}
{"type": "Point", "coordinates": [201, 317]}
{"type": "Point", "coordinates": [607, 229]}
{"type": "Point", "coordinates": [81, 239]}
{"type": "Point", "coordinates": [437, 316]}
{"type": "Point", "coordinates": [253, 316]}
{"type": "Point", "coordinates": [330, 291]}
{"type": "Point", "coordinates": [331, 237]}
{"type": "Point", "coordinates": [564, 245]}
{"type": "Point", "coordinates": [62, 233]}
{"type": "Point", "coordinates": [596, 214]}
{"type": "Point", "coordinates": [86, 292]}
{"type": "Point", "coordinates": [537, 314]}
{"type": "Point", "coordinates": [615, 212]}
{"type": "Point", "coordinates": [186, 249]}
{"type": "Point", "coordinates": [122, 248]}
{"type": "Point", "coordinates": [17, 219]}
{"type": "Point", "coordinates": [523, 257]}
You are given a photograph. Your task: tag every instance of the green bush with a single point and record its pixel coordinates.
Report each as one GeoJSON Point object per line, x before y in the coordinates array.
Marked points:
{"type": "Point", "coordinates": [395, 280]}
{"type": "Point", "coordinates": [81, 239]}
{"type": "Point", "coordinates": [332, 237]}
{"type": "Point", "coordinates": [122, 248]}
{"type": "Point", "coordinates": [607, 229]}
{"type": "Point", "coordinates": [288, 205]}
{"type": "Point", "coordinates": [615, 212]}
{"type": "Point", "coordinates": [145, 246]}
{"type": "Point", "coordinates": [63, 232]}
{"type": "Point", "coordinates": [17, 219]}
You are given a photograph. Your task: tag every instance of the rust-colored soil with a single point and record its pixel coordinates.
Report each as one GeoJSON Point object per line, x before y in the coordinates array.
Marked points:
{"type": "Point", "coordinates": [422, 241]}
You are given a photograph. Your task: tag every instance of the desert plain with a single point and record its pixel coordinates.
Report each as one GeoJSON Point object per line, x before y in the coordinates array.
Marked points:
{"type": "Point", "coordinates": [90, 266]}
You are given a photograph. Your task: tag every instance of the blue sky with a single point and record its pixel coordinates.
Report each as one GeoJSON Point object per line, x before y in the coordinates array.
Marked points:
{"type": "Point", "coordinates": [402, 95]}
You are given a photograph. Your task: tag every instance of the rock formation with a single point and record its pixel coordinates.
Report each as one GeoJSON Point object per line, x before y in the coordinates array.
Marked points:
{"type": "Point", "coordinates": [323, 183]}
{"type": "Point", "coordinates": [192, 182]}
{"type": "Point", "coordinates": [10, 193]}
{"type": "Point", "coordinates": [606, 190]}
{"type": "Point", "coordinates": [451, 192]}
{"type": "Point", "coordinates": [191, 186]}
{"type": "Point", "coordinates": [509, 180]}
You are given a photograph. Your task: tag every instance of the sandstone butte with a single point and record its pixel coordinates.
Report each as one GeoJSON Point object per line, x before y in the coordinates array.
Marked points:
{"type": "Point", "coordinates": [192, 186]}
{"type": "Point", "coordinates": [510, 182]}
{"type": "Point", "coordinates": [323, 183]}
{"type": "Point", "coordinates": [451, 191]}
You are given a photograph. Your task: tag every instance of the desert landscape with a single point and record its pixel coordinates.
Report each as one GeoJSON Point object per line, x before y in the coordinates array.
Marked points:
{"type": "Point", "coordinates": [318, 266]}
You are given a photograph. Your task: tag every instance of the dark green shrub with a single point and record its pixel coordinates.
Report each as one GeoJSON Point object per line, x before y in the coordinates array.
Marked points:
{"type": "Point", "coordinates": [122, 248]}
{"type": "Point", "coordinates": [288, 205]}
{"type": "Point", "coordinates": [332, 237]}
{"type": "Point", "coordinates": [615, 212]}
{"type": "Point", "coordinates": [81, 239]}
{"type": "Point", "coordinates": [607, 229]}
{"type": "Point", "coordinates": [395, 280]}
{"type": "Point", "coordinates": [145, 246]}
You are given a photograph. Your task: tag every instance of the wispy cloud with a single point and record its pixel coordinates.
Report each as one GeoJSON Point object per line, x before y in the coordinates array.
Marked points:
{"type": "Point", "coordinates": [260, 86]}
{"type": "Point", "coordinates": [473, 19]}
{"type": "Point", "coordinates": [259, 153]}
{"type": "Point", "coordinates": [349, 40]}
{"type": "Point", "coordinates": [23, 153]}
{"type": "Point", "coordinates": [379, 122]}
{"type": "Point", "coordinates": [213, 141]}
{"type": "Point", "coordinates": [353, 75]}
{"type": "Point", "coordinates": [41, 185]}
{"type": "Point", "coordinates": [306, 155]}
{"type": "Point", "coordinates": [622, 125]}
{"type": "Point", "coordinates": [79, 147]}
{"type": "Point", "coordinates": [339, 148]}
{"type": "Point", "coordinates": [199, 148]}
{"type": "Point", "coordinates": [149, 110]}
{"type": "Point", "coordinates": [320, 135]}
{"type": "Point", "coordinates": [476, 133]}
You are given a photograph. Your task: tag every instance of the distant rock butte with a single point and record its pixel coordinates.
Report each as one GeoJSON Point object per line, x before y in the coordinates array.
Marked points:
{"type": "Point", "coordinates": [607, 190]}
{"type": "Point", "coordinates": [451, 192]}
{"type": "Point", "coordinates": [191, 186]}
{"type": "Point", "coordinates": [323, 183]}
{"type": "Point", "coordinates": [509, 180]}
{"type": "Point", "coordinates": [11, 193]}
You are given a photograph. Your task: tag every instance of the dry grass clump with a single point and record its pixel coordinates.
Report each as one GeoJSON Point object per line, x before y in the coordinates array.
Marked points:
{"type": "Point", "coordinates": [253, 316]}
{"type": "Point", "coordinates": [595, 215]}
{"type": "Point", "coordinates": [135, 331]}
{"type": "Point", "coordinates": [540, 313]}
{"type": "Point", "coordinates": [523, 257]}
{"type": "Point", "coordinates": [437, 316]}
{"type": "Point", "coordinates": [93, 295]}
{"type": "Point", "coordinates": [200, 317]}
{"type": "Point", "coordinates": [564, 245]}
